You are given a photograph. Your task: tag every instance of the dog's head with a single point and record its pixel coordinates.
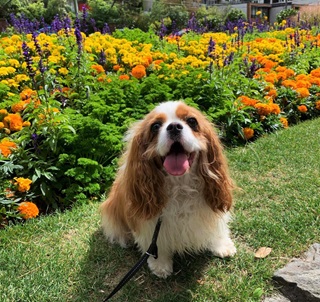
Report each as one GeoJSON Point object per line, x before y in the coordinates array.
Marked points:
{"type": "Point", "coordinates": [172, 140]}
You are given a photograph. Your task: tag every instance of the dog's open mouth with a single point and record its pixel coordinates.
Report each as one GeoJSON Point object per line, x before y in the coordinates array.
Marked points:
{"type": "Point", "coordinates": [178, 161]}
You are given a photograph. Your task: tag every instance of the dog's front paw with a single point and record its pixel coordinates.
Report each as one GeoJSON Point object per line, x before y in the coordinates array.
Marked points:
{"type": "Point", "coordinates": [224, 248]}
{"type": "Point", "coordinates": [161, 267]}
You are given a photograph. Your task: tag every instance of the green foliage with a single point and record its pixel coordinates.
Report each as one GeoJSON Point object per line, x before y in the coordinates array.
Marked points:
{"type": "Point", "coordinates": [136, 34]}
{"type": "Point", "coordinates": [175, 16]}
{"type": "Point", "coordinates": [235, 14]}
{"type": "Point", "coordinates": [103, 12]}
{"type": "Point", "coordinates": [212, 16]}
{"type": "Point", "coordinates": [7, 7]}
{"type": "Point", "coordinates": [285, 14]}
{"type": "Point", "coordinates": [56, 7]}
{"type": "Point", "coordinates": [34, 10]}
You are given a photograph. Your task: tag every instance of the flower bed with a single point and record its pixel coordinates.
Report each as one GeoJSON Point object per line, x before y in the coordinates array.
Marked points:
{"type": "Point", "coordinates": [67, 99]}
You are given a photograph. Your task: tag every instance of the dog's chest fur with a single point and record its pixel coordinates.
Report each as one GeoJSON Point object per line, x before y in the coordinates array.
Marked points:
{"type": "Point", "coordinates": [187, 220]}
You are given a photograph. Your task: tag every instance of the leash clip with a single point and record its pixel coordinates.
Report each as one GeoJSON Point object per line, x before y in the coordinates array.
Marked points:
{"type": "Point", "coordinates": [152, 251]}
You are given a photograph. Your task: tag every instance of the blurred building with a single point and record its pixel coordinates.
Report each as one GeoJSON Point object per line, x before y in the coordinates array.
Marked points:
{"type": "Point", "coordinates": [268, 8]}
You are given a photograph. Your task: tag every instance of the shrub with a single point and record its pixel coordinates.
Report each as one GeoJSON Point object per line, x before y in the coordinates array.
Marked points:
{"type": "Point", "coordinates": [286, 14]}
{"type": "Point", "coordinates": [104, 12]}
{"type": "Point", "coordinates": [234, 15]}
{"type": "Point", "coordinates": [34, 10]}
{"type": "Point", "coordinates": [211, 18]}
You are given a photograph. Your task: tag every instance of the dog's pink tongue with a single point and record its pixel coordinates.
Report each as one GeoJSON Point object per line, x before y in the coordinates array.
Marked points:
{"type": "Point", "coordinates": [176, 164]}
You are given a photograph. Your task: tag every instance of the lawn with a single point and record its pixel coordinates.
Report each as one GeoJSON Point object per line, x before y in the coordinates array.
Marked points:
{"type": "Point", "coordinates": [64, 256]}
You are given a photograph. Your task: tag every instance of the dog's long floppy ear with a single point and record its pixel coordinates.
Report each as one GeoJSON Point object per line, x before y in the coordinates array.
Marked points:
{"type": "Point", "coordinates": [144, 181]}
{"type": "Point", "coordinates": [214, 170]}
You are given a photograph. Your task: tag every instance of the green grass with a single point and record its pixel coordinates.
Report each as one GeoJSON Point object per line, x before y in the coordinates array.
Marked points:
{"type": "Point", "coordinates": [64, 257]}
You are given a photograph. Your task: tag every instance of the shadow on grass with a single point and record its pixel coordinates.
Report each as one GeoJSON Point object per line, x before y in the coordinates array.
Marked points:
{"type": "Point", "coordinates": [105, 265]}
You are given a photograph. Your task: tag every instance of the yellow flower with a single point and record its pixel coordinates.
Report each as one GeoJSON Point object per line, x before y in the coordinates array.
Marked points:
{"type": "Point", "coordinates": [52, 71]}
{"type": "Point", "coordinates": [26, 124]}
{"type": "Point", "coordinates": [3, 113]}
{"type": "Point", "coordinates": [28, 210]}
{"type": "Point", "coordinates": [21, 77]}
{"type": "Point", "coordinates": [13, 62]}
{"type": "Point", "coordinates": [258, 13]}
{"type": "Point", "coordinates": [5, 71]}
{"type": "Point", "coordinates": [23, 184]}
{"type": "Point", "coordinates": [10, 49]}
{"type": "Point", "coordinates": [1, 125]}
{"type": "Point", "coordinates": [63, 71]}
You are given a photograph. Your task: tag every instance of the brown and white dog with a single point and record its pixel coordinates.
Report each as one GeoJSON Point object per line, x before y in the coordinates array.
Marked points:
{"type": "Point", "coordinates": [173, 167]}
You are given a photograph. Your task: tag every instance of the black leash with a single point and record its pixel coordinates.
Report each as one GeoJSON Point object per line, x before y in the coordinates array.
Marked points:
{"type": "Point", "coordinates": [152, 251]}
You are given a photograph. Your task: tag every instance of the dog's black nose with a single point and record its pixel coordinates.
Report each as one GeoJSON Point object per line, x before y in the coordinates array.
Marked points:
{"type": "Point", "coordinates": [174, 130]}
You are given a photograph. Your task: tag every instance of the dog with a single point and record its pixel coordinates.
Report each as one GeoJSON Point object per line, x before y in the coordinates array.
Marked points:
{"type": "Point", "coordinates": [173, 167]}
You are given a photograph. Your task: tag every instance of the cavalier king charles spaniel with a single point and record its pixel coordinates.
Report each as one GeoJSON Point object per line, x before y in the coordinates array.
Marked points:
{"type": "Point", "coordinates": [173, 167]}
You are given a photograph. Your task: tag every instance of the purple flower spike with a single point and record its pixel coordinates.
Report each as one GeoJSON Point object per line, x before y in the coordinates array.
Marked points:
{"type": "Point", "coordinates": [28, 59]}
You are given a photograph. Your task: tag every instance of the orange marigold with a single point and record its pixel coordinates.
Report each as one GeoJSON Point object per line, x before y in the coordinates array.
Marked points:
{"type": "Point", "coordinates": [23, 184]}
{"type": "Point", "coordinates": [281, 76]}
{"type": "Point", "coordinates": [268, 63]}
{"type": "Point", "coordinates": [303, 92]}
{"type": "Point", "coordinates": [158, 62]}
{"type": "Point", "coordinates": [28, 210]}
{"type": "Point", "coordinates": [317, 105]}
{"type": "Point", "coordinates": [247, 101]}
{"type": "Point", "coordinates": [271, 78]}
{"type": "Point", "coordinates": [289, 72]}
{"type": "Point", "coordinates": [124, 77]}
{"type": "Point", "coordinates": [303, 84]}
{"type": "Point", "coordinates": [149, 58]}
{"type": "Point", "coordinates": [272, 93]}
{"type": "Point", "coordinates": [289, 83]}
{"type": "Point", "coordinates": [315, 81]}
{"type": "Point", "coordinates": [20, 106]}
{"type": "Point", "coordinates": [248, 133]}
{"type": "Point", "coordinates": [275, 109]}
{"type": "Point", "coordinates": [302, 77]}
{"type": "Point", "coordinates": [6, 146]}
{"type": "Point", "coordinates": [13, 121]}
{"type": "Point", "coordinates": [1, 125]}
{"type": "Point", "coordinates": [263, 109]}
{"type": "Point", "coordinates": [284, 122]}
{"type": "Point", "coordinates": [138, 71]}
{"type": "Point", "coordinates": [27, 94]}
{"type": "Point", "coordinates": [102, 78]}
{"type": "Point", "coordinates": [315, 73]}
{"type": "Point", "coordinates": [281, 69]}
{"type": "Point", "coordinates": [116, 67]}
{"type": "Point", "coordinates": [98, 68]}
{"type": "Point", "coordinates": [303, 108]}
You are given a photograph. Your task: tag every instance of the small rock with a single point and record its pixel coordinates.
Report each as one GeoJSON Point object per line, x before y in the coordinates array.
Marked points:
{"type": "Point", "coordinates": [276, 298]}
{"type": "Point", "coordinates": [300, 279]}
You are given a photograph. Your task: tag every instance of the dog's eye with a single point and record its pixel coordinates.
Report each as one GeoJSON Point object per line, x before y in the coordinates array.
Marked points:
{"type": "Point", "coordinates": [155, 127]}
{"type": "Point", "coordinates": [192, 122]}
